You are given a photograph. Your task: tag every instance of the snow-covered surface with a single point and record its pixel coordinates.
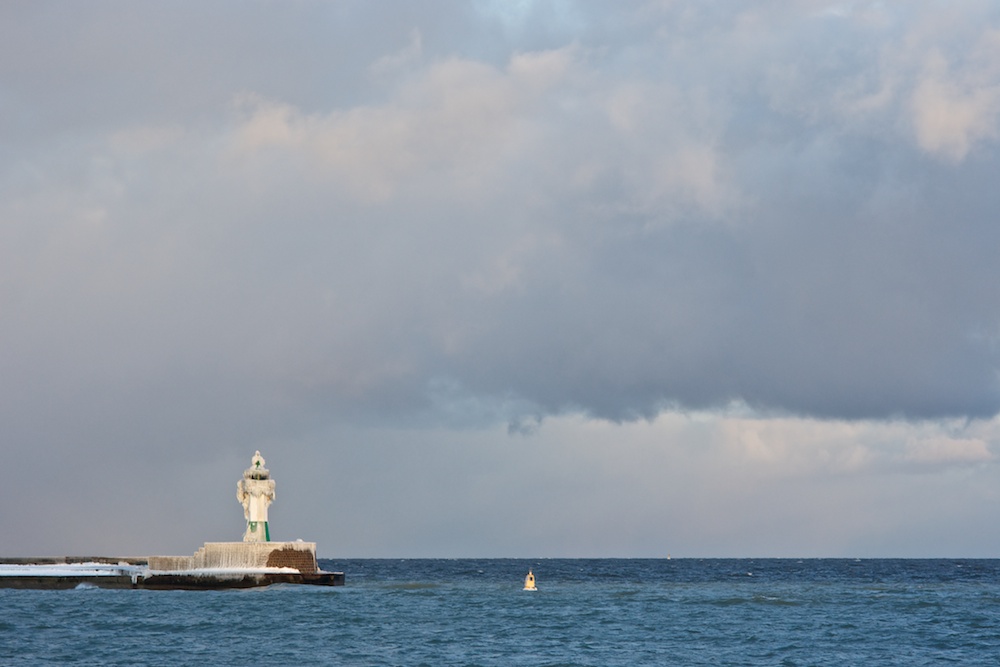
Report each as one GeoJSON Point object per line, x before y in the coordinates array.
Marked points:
{"type": "Point", "coordinates": [224, 571]}
{"type": "Point", "coordinates": [71, 570]}
{"type": "Point", "coordinates": [107, 570]}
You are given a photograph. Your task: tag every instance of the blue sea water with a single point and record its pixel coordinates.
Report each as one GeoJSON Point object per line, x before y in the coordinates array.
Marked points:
{"type": "Point", "coordinates": [586, 612]}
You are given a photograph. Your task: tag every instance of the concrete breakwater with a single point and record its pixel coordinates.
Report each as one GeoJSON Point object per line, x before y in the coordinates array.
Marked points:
{"type": "Point", "coordinates": [243, 555]}
{"type": "Point", "coordinates": [216, 565]}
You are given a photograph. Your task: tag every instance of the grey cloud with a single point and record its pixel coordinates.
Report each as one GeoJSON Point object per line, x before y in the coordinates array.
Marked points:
{"type": "Point", "coordinates": [221, 224]}
{"type": "Point", "coordinates": [406, 250]}
{"type": "Point", "coordinates": [697, 216]}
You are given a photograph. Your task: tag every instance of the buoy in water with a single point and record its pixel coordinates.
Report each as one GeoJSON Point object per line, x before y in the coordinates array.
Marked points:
{"type": "Point", "coordinates": [529, 582]}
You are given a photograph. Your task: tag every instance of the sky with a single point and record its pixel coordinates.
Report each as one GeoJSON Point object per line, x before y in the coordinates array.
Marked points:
{"type": "Point", "coordinates": [502, 278]}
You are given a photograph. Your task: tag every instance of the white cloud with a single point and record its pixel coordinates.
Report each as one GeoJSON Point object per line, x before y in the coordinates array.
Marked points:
{"type": "Point", "coordinates": [458, 120]}
{"type": "Point", "coordinates": [798, 446]}
{"type": "Point", "coordinates": [407, 56]}
{"type": "Point", "coordinates": [942, 451]}
{"type": "Point", "coordinates": [954, 109]}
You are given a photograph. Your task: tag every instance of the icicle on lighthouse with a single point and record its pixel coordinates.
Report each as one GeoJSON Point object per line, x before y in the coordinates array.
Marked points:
{"type": "Point", "coordinates": [256, 492]}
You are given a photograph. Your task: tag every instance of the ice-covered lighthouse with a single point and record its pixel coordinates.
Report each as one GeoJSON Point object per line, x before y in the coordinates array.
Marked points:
{"type": "Point", "coordinates": [256, 561]}
{"type": "Point", "coordinates": [256, 492]}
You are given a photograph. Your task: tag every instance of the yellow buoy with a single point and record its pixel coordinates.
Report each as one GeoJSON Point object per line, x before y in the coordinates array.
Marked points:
{"type": "Point", "coordinates": [529, 582]}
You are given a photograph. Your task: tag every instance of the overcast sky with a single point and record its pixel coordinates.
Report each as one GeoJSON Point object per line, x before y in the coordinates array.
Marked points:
{"type": "Point", "coordinates": [502, 278]}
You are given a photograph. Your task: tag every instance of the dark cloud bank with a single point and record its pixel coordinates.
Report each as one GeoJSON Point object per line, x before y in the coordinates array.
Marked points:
{"type": "Point", "coordinates": [828, 266]}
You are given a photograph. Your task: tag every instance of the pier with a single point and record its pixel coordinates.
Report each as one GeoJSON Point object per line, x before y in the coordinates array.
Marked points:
{"type": "Point", "coordinates": [256, 561]}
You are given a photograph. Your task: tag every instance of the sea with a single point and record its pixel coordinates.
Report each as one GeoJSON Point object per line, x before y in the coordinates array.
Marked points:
{"type": "Point", "coordinates": [600, 612]}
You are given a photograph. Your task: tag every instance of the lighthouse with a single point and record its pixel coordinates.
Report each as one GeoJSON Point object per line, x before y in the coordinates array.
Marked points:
{"type": "Point", "coordinates": [256, 492]}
